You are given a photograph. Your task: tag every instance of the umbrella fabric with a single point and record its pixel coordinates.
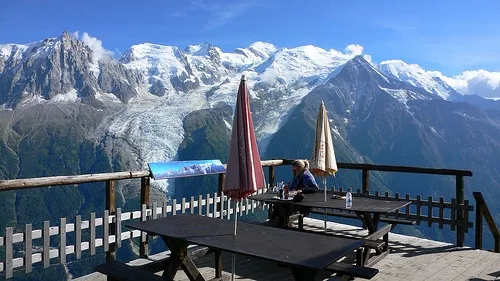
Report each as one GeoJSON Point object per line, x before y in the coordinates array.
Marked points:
{"type": "Point", "coordinates": [323, 161]}
{"type": "Point", "coordinates": [244, 174]}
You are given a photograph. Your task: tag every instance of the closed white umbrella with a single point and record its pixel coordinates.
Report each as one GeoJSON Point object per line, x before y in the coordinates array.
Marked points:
{"type": "Point", "coordinates": [323, 162]}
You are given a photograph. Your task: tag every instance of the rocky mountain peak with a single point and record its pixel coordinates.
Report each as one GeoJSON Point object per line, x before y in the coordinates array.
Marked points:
{"type": "Point", "coordinates": [202, 49]}
{"type": "Point", "coordinates": [262, 49]}
{"type": "Point", "coordinates": [59, 69]}
{"type": "Point", "coordinates": [359, 70]}
{"type": "Point", "coordinates": [418, 77]}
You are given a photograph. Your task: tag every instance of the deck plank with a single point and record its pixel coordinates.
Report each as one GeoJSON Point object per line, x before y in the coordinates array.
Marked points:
{"type": "Point", "coordinates": [492, 271]}
{"type": "Point", "coordinates": [485, 269]}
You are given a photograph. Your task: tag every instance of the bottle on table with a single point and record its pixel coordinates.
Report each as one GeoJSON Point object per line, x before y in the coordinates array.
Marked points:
{"type": "Point", "coordinates": [286, 191]}
{"type": "Point", "coordinates": [348, 199]}
{"type": "Point", "coordinates": [276, 188]}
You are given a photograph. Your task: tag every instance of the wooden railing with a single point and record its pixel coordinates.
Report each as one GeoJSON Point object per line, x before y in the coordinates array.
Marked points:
{"type": "Point", "coordinates": [482, 211]}
{"type": "Point", "coordinates": [365, 188]}
{"type": "Point", "coordinates": [100, 233]}
{"type": "Point", "coordinates": [103, 227]}
{"type": "Point", "coordinates": [425, 211]}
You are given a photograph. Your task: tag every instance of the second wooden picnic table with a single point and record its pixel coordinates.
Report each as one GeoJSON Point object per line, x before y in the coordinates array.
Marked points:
{"type": "Point", "coordinates": [368, 210]}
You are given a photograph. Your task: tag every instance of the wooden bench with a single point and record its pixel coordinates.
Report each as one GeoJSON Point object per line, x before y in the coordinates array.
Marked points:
{"type": "Point", "coordinates": [373, 241]}
{"type": "Point", "coordinates": [122, 272]}
{"type": "Point", "coordinates": [363, 258]}
{"type": "Point", "coordinates": [393, 221]}
{"type": "Point", "coordinates": [118, 271]}
{"type": "Point", "coordinates": [378, 241]}
{"type": "Point", "coordinates": [348, 270]}
{"type": "Point", "coordinates": [158, 265]}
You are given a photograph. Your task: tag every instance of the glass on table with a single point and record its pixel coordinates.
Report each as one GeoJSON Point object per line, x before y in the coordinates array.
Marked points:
{"type": "Point", "coordinates": [278, 187]}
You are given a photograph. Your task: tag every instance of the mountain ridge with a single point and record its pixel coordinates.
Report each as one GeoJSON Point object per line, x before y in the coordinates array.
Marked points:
{"type": "Point", "coordinates": [223, 63]}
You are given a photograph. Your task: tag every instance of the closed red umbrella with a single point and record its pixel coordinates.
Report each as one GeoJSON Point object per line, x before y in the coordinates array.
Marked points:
{"type": "Point", "coordinates": [244, 173]}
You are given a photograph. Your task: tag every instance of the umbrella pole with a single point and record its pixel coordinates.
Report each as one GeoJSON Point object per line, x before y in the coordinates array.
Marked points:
{"type": "Point", "coordinates": [233, 256]}
{"type": "Point", "coordinates": [235, 211]}
{"type": "Point", "coordinates": [324, 184]}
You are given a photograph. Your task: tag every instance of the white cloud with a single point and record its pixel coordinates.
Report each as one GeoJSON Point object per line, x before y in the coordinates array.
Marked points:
{"type": "Point", "coordinates": [368, 58]}
{"type": "Point", "coordinates": [98, 51]}
{"type": "Point", "coordinates": [408, 67]}
{"type": "Point", "coordinates": [480, 82]}
{"type": "Point", "coordinates": [354, 49]}
{"type": "Point", "coordinates": [349, 52]}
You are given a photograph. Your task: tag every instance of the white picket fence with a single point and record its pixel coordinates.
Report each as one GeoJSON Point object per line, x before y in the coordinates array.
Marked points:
{"type": "Point", "coordinates": [46, 253]}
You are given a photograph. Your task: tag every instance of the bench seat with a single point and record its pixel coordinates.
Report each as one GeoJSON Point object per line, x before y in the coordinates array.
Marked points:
{"type": "Point", "coordinates": [158, 265]}
{"type": "Point", "coordinates": [352, 270]}
{"type": "Point", "coordinates": [351, 215]}
{"type": "Point", "coordinates": [122, 272]}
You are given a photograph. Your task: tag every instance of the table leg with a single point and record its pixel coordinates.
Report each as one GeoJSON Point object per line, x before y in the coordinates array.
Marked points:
{"type": "Point", "coordinates": [179, 257]}
{"type": "Point", "coordinates": [283, 211]}
{"type": "Point", "coordinates": [270, 211]}
{"type": "Point", "coordinates": [375, 221]}
{"type": "Point", "coordinates": [302, 274]}
{"type": "Point", "coordinates": [218, 263]}
{"type": "Point", "coordinates": [371, 222]}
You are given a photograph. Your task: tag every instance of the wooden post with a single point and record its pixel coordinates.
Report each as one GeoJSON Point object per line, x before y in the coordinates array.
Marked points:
{"type": "Point", "coordinates": [271, 176]}
{"type": "Point", "coordinates": [366, 181]}
{"type": "Point", "coordinates": [9, 253]}
{"type": "Point", "coordinates": [28, 248]}
{"type": "Point", "coordinates": [222, 178]}
{"type": "Point", "coordinates": [62, 241]}
{"type": "Point", "coordinates": [479, 225]}
{"type": "Point", "coordinates": [366, 185]}
{"type": "Point", "coordinates": [482, 211]}
{"type": "Point", "coordinates": [46, 244]}
{"type": "Point", "coordinates": [271, 184]}
{"type": "Point", "coordinates": [111, 207]}
{"type": "Point", "coordinates": [145, 188]}
{"type": "Point", "coordinates": [460, 212]}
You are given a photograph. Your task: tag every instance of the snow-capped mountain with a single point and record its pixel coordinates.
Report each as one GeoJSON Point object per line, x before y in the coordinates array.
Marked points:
{"type": "Point", "coordinates": [278, 78]}
{"type": "Point", "coordinates": [62, 69]}
{"type": "Point", "coordinates": [158, 86]}
{"type": "Point", "coordinates": [418, 77]}
{"type": "Point", "coordinates": [161, 85]}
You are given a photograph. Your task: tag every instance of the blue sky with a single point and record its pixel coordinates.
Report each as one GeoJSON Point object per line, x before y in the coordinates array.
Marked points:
{"type": "Point", "coordinates": [449, 36]}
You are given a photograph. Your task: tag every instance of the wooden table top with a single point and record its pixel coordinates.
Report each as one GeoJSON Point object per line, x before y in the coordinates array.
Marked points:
{"type": "Point", "coordinates": [359, 204]}
{"type": "Point", "coordinates": [293, 248]}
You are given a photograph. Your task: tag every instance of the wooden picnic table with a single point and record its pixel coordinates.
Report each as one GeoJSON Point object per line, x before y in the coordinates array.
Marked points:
{"type": "Point", "coordinates": [304, 253]}
{"type": "Point", "coordinates": [368, 210]}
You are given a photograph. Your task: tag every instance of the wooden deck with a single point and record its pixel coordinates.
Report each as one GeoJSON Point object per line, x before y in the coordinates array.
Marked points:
{"type": "Point", "coordinates": [410, 259]}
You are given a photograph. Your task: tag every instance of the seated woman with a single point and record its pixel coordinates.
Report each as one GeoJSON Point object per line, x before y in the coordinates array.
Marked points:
{"type": "Point", "coordinates": [303, 183]}
{"type": "Point", "coordinates": [303, 180]}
